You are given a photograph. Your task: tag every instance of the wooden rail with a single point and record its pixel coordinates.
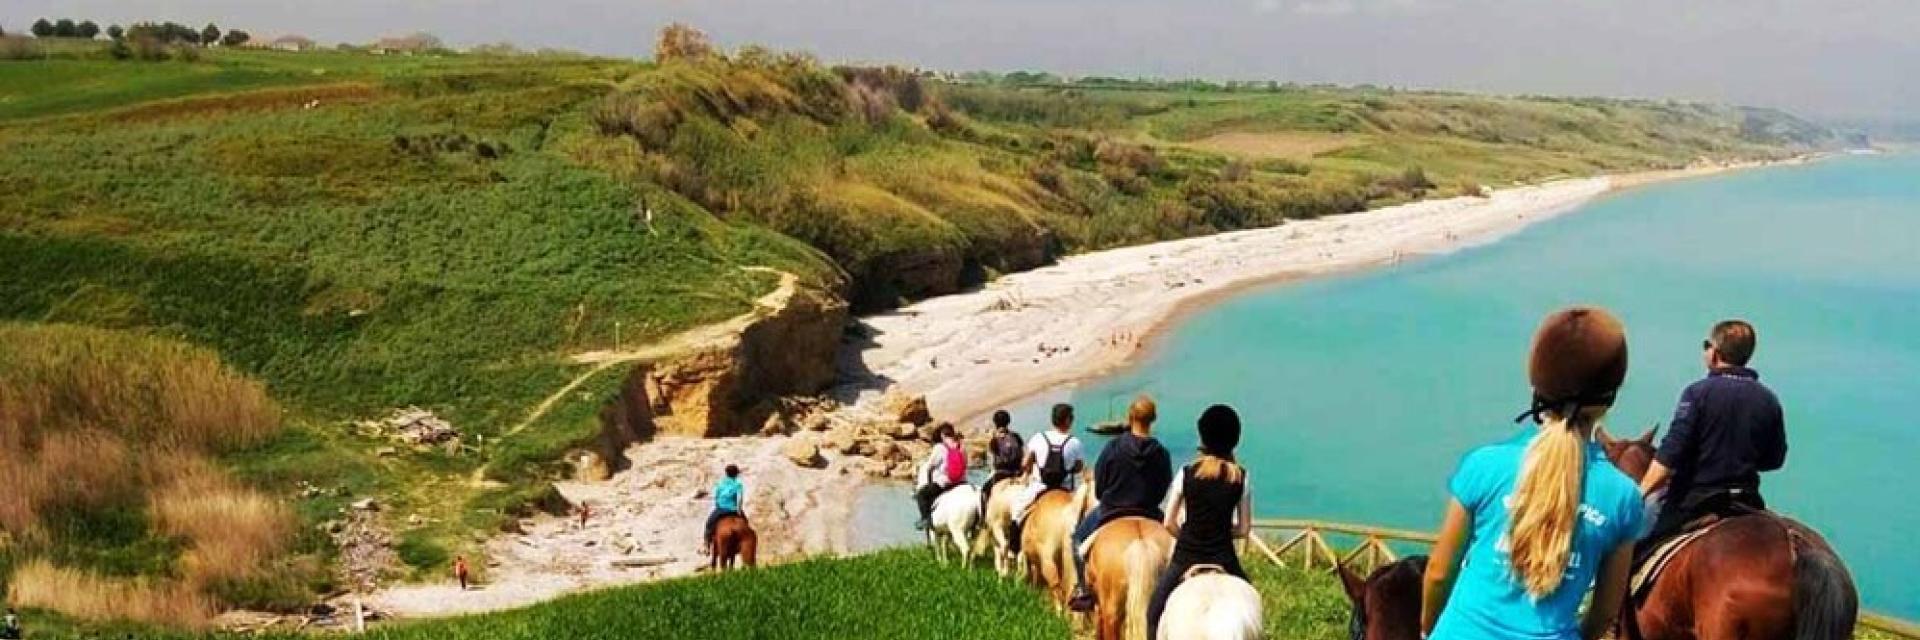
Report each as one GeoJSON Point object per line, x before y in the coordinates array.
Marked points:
{"type": "Point", "coordinates": [1308, 544]}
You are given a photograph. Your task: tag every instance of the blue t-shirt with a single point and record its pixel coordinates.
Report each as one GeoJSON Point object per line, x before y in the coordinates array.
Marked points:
{"type": "Point", "coordinates": [1488, 601]}
{"type": "Point", "coordinates": [726, 495]}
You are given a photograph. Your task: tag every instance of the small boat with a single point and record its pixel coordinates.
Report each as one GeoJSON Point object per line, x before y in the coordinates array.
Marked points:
{"type": "Point", "coordinates": [1108, 427]}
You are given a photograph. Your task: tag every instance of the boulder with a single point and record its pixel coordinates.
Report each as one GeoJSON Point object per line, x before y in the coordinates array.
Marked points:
{"type": "Point", "coordinates": [914, 411]}
{"type": "Point", "coordinates": [590, 467]}
{"type": "Point", "coordinates": [777, 424]}
{"type": "Point", "coordinates": [365, 504]}
{"type": "Point", "coordinates": [905, 431]}
{"type": "Point", "coordinates": [803, 452]}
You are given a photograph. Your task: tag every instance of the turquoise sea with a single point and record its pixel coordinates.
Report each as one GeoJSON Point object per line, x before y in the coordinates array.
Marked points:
{"type": "Point", "coordinates": [1361, 392]}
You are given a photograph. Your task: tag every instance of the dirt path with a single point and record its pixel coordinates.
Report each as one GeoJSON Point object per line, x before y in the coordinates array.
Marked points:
{"type": "Point", "coordinates": [686, 341]}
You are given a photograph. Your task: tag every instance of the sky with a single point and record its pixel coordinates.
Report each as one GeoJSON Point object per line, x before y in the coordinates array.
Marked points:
{"type": "Point", "coordinates": [1824, 58]}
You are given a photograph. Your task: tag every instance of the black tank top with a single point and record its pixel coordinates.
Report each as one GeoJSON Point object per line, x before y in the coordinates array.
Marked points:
{"type": "Point", "coordinates": [1207, 532]}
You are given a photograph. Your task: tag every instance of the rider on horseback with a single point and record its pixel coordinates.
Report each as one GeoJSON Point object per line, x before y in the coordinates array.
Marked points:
{"type": "Point", "coordinates": [1537, 520]}
{"type": "Point", "coordinates": [726, 502]}
{"type": "Point", "coordinates": [1004, 450]}
{"type": "Point", "coordinates": [1054, 461]}
{"type": "Point", "coordinates": [1727, 429]}
{"type": "Point", "coordinates": [944, 468]}
{"type": "Point", "coordinates": [1210, 507]}
{"type": "Point", "coordinates": [1130, 479]}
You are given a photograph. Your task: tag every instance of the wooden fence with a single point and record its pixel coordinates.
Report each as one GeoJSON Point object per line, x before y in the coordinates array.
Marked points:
{"type": "Point", "coordinates": [1305, 542]}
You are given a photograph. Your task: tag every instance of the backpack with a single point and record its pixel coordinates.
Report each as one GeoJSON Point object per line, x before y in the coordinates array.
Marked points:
{"type": "Point", "coordinates": [956, 466]}
{"type": "Point", "coordinates": [1053, 473]}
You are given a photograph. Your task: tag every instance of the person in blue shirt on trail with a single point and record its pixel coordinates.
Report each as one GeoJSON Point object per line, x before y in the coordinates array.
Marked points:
{"type": "Point", "coordinates": [726, 501]}
{"type": "Point", "coordinates": [1537, 520]}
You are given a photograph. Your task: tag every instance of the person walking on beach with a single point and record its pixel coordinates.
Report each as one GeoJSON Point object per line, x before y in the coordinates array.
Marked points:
{"type": "Point", "coordinates": [1054, 461]}
{"type": "Point", "coordinates": [1209, 506]}
{"type": "Point", "coordinates": [586, 511]}
{"type": "Point", "coordinates": [1004, 453]}
{"type": "Point", "coordinates": [1727, 429]}
{"type": "Point", "coordinates": [460, 571]}
{"type": "Point", "coordinates": [726, 501]}
{"type": "Point", "coordinates": [944, 468]}
{"type": "Point", "coordinates": [1538, 519]}
{"type": "Point", "coordinates": [1130, 479]}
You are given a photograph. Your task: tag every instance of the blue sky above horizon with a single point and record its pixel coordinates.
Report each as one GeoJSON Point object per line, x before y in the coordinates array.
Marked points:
{"type": "Point", "coordinates": [1818, 57]}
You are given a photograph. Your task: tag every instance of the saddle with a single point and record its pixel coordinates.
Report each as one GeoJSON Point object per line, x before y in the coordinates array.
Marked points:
{"type": "Point", "coordinates": [1650, 569]}
{"type": "Point", "coordinates": [1086, 548]}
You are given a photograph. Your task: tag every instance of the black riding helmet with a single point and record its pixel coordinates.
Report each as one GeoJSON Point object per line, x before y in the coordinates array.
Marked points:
{"type": "Point", "coordinates": [1219, 430]}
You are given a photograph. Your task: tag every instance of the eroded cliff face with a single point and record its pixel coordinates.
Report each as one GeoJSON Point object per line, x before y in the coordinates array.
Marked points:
{"type": "Point", "coordinates": [733, 385]}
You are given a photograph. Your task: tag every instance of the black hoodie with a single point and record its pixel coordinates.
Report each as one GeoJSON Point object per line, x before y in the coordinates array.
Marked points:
{"type": "Point", "coordinates": [1132, 477]}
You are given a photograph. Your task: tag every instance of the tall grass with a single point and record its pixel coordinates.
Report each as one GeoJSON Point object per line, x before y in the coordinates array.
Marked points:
{"type": "Point", "coordinates": [39, 584]}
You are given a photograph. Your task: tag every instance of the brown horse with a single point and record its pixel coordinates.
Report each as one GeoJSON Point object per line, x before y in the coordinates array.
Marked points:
{"type": "Point", "coordinates": [1046, 539]}
{"type": "Point", "coordinates": [1123, 565]}
{"type": "Point", "coordinates": [1386, 605]}
{"type": "Point", "coordinates": [1759, 576]}
{"type": "Point", "coordinates": [733, 538]}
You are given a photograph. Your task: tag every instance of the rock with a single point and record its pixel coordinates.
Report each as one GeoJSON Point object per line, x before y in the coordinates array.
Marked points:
{"type": "Point", "coordinates": [415, 426]}
{"type": "Point", "coordinates": [777, 424]}
{"type": "Point", "coordinates": [729, 387]}
{"type": "Point", "coordinates": [902, 470]}
{"type": "Point", "coordinates": [915, 412]}
{"type": "Point", "coordinates": [887, 451]}
{"type": "Point", "coordinates": [841, 440]}
{"type": "Point", "coordinates": [333, 527]}
{"type": "Point", "coordinates": [415, 520]}
{"type": "Point", "coordinates": [816, 422]}
{"type": "Point", "coordinates": [513, 526]}
{"type": "Point", "coordinates": [905, 431]}
{"type": "Point", "coordinates": [590, 467]}
{"type": "Point", "coordinates": [365, 504]}
{"type": "Point", "coordinates": [803, 452]}
{"type": "Point", "coordinates": [386, 452]}
{"type": "Point", "coordinates": [862, 447]}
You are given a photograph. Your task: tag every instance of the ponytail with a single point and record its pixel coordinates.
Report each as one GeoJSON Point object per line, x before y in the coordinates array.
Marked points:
{"type": "Point", "coordinates": [1546, 501]}
{"type": "Point", "coordinates": [1213, 467]}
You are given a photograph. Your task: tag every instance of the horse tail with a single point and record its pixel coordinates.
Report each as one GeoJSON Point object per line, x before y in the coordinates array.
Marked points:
{"type": "Point", "coordinates": [1143, 559]}
{"type": "Point", "coordinates": [1825, 603]}
{"type": "Point", "coordinates": [749, 546]}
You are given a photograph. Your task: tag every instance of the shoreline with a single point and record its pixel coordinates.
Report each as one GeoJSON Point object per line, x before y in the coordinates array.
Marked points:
{"type": "Point", "coordinates": [1063, 319]}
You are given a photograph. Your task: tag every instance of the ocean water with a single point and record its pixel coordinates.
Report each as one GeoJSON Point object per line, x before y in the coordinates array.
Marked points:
{"type": "Point", "coordinates": [1361, 392]}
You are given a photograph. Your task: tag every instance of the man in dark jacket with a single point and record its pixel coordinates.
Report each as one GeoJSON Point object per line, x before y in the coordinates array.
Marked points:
{"type": "Point", "coordinates": [1727, 429]}
{"type": "Point", "coordinates": [1131, 479]}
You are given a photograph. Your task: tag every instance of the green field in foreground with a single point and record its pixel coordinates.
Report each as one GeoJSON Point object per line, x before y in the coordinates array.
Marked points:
{"type": "Point", "coordinates": [899, 593]}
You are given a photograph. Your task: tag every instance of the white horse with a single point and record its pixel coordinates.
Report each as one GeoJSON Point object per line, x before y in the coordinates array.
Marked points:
{"type": "Point", "coordinates": [955, 514]}
{"type": "Point", "coordinates": [999, 522]}
{"type": "Point", "coordinates": [1211, 604]}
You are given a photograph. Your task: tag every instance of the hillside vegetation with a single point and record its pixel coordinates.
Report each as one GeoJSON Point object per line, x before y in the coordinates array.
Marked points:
{"type": "Point", "coordinates": [360, 233]}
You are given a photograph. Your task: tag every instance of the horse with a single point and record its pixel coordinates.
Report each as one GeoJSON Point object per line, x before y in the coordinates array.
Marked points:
{"type": "Point", "coordinates": [999, 522]}
{"type": "Point", "coordinates": [1124, 562]}
{"type": "Point", "coordinates": [955, 514]}
{"type": "Point", "coordinates": [733, 538]}
{"type": "Point", "coordinates": [1211, 604]}
{"type": "Point", "coordinates": [1046, 540]}
{"type": "Point", "coordinates": [1386, 605]}
{"type": "Point", "coordinates": [1759, 576]}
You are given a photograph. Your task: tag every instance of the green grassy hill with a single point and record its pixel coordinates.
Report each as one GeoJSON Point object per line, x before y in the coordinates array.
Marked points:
{"type": "Point", "coordinates": [360, 233]}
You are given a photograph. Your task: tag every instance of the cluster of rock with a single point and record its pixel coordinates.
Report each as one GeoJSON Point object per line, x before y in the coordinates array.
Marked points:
{"type": "Point", "coordinates": [366, 547]}
{"type": "Point", "coordinates": [890, 444]}
{"type": "Point", "coordinates": [413, 426]}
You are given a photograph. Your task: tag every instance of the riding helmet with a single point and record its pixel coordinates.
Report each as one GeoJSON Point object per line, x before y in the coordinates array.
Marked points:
{"type": "Point", "coordinates": [1219, 430]}
{"type": "Point", "coordinates": [1579, 359]}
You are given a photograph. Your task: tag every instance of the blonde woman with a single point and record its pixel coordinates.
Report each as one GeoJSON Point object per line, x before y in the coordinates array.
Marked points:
{"type": "Point", "coordinates": [1208, 507]}
{"type": "Point", "coordinates": [1537, 520]}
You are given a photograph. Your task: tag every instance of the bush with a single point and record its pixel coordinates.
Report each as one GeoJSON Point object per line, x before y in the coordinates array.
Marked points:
{"type": "Point", "coordinates": [18, 48]}
{"type": "Point", "coordinates": [682, 42]}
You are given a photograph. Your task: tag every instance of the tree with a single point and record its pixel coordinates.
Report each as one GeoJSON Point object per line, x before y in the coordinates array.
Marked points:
{"type": "Point", "coordinates": [679, 41]}
{"type": "Point", "coordinates": [210, 35]}
{"type": "Point", "coordinates": [65, 28]}
{"type": "Point", "coordinates": [116, 33]}
{"type": "Point", "coordinates": [88, 30]}
{"type": "Point", "coordinates": [42, 28]}
{"type": "Point", "coordinates": [235, 38]}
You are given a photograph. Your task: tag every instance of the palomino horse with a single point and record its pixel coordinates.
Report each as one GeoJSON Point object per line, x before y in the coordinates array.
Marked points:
{"type": "Point", "coordinates": [955, 513]}
{"type": "Point", "coordinates": [1211, 604]}
{"type": "Point", "coordinates": [999, 522]}
{"type": "Point", "coordinates": [1046, 539]}
{"type": "Point", "coordinates": [1759, 576]}
{"type": "Point", "coordinates": [733, 537]}
{"type": "Point", "coordinates": [1386, 605]}
{"type": "Point", "coordinates": [1123, 564]}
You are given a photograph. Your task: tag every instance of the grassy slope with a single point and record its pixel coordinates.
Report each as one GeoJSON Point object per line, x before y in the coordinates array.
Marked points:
{"type": "Point", "coordinates": [352, 275]}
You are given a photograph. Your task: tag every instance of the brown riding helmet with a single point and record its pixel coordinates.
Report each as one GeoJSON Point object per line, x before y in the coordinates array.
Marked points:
{"type": "Point", "coordinates": [1579, 360]}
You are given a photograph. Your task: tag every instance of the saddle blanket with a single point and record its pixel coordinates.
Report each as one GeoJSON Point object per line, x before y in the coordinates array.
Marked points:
{"type": "Point", "coordinates": [1663, 555]}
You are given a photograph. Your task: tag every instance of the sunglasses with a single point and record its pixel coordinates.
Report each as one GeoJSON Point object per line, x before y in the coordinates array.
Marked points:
{"type": "Point", "coordinates": [1706, 344]}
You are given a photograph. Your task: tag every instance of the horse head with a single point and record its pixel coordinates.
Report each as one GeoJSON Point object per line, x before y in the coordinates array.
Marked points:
{"type": "Point", "coordinates": [1632, 457]}
{"type": "Point", "coordinates": [1386, 605]}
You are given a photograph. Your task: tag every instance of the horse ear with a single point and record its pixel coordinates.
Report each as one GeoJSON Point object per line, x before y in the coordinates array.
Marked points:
{"type": "Point", "coordinates": [1647, 438]}
{"type": "Point", "coordinates": [1355, 586]}
{"type": "Point", "coordinates": [1606, 439]}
